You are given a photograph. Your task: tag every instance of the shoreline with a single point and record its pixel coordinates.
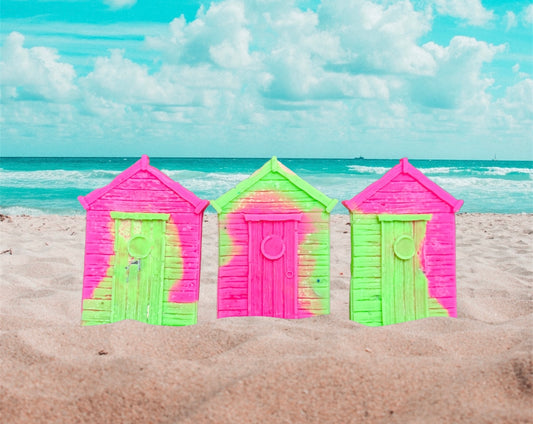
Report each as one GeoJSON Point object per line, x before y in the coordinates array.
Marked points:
{"type": "Point", "coordinates": [211, 213]}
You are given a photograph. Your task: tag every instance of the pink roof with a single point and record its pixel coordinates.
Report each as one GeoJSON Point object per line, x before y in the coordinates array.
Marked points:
{"type": "Point", "coordinates": [404, 167]}
{"type": "Point", "coordinates": [144, 165]}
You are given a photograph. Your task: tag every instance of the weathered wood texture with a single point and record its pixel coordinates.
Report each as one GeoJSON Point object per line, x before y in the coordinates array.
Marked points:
{"type": "Point", "coordinates": [162, 288]}
{"type": "Point", "coordinates": [384, 288]}
{"type": "Point", "coordinates": [273, 206]}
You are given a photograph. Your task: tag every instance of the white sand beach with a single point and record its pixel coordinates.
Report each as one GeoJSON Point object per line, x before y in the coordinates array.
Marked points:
{"type": "Point", "coordinates": [476, 368]}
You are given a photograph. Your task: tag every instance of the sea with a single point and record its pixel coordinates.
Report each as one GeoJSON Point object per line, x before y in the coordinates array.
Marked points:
{"type": "Point", "coordinates": [39, 186]}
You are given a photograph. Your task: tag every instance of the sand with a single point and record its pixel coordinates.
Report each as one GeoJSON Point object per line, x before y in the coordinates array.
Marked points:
{"type": "Point", "coordinates": [476, 368]}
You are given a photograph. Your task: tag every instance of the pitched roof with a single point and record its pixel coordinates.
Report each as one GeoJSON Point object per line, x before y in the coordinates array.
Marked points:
{"type": "Point", "coordinates": [144, 165]}
{"type": "Point", "coordinates": [404, 167]}
{"type": "Point", "coordinates": [273, 165]}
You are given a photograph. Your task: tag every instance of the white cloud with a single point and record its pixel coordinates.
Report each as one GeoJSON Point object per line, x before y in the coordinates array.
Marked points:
{"type": "Point", "coordinates": [510, 20]}
{"type": "Point", "coordinates": [218, 36]}
{"type": "Point", "coordinates": [377, 38]}
{"type": "Point", "coordinates": [266, 70]}
{"type": "Point", "coordinates": [35, 72]}
{"type": "Point", "coordinates": [122, 80]}
{"type": "Point", "coordinates": [458, 79]}
{"type": "Point", "coordinates": [120, 4]}
{"type": "Point", "coordinates": [528, 14]}
{"type": "Point", "coordinates": [518, 101]}
{"type": "Point", "coordinates": [470, 10]}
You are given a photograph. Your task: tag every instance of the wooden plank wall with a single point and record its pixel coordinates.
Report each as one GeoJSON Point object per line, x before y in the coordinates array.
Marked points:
{"type": "Point", "coordinates": [143, 193]}
{"type": "Point", "coordinates": [403, 195]}
{"type": "Point", "coordinates": [275, 194]}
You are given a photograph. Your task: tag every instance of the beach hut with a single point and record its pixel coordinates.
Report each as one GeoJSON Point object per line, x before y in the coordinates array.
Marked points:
{"type": "Point", "coordinates": [273, 246]}
{"type": "Point", "coordinates": [403, 249]}
{"type": "Point", "coordinates": [142, 250]}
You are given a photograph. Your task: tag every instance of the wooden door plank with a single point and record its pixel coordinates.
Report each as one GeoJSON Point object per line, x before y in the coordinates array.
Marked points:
{"type": "Point", "coordinates": [278, 276]}
{"type": "Point", "coordinates": [420, 280]}
{"type": "Point", "coordinates": [255, 270]}
{"type": "Point", "coordinates": [120, 270]}
{"type": "Point", "coordinates": [387, 278]}
{"type": "Point", "coordinates": [158, 272]}
{"type": "Point", "coordinates": [268, 271]}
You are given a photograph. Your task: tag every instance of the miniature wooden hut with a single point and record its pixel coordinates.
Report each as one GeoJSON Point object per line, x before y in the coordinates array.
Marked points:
{"type": "Point", "coordinates": [403, 249]}
{"type": "Point", "coordinates": [273, 246]}
{"type": "Point", "coordinates": [142, 251]}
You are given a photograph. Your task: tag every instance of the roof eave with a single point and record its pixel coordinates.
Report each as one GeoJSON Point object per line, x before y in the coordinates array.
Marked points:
{"type": "Point", "coordinates": [404, 167]}
{"type": "Point", "coordinates": [273, 165]}
{"type": "Point", "coordinates": [143, 164]}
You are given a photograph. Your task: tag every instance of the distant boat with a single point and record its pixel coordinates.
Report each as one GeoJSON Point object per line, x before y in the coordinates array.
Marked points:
{"type": "Point", "coordinates": [359, 158]}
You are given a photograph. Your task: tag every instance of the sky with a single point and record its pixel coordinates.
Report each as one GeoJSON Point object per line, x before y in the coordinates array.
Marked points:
{"type": "Point", "coordinates": [433, 79]}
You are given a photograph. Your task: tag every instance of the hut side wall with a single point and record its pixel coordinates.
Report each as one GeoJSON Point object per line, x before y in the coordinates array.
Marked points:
{"type": "Point", "coordinates": [274, 194]}
{"type": "Point", "coordinates": [403, 195]}
{"type": "Point", "coordinates": [143, 193]}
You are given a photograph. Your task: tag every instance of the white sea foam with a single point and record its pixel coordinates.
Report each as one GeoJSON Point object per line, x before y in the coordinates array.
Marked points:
{"type": "Point", "coordinates": [506, 171]}
{"type": "Point", "coordinates": [215, 182]}
{"type": "Point", "coordinates": [57, 178]}
{"type": "Point", "coordinates": [360, 169]}
{"type": "Point", "coordinates": [20, 210]}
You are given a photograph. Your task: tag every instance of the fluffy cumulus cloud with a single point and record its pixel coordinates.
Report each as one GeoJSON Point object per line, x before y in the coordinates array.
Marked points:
{"type": "Point", "coordinates": [218, 36]}
{"type": "Point", "coordinates": [268, 68]}
{"type": "Point", "coordinates": [35, 73]}
{"type": "Point", "coordinates": [470, 10]}
{"type": "Point", "coordinates": [378, 39]}
{"type": "Point", "coordinates": [518, 101]}
{"type": "Point", "coordinates": [457, 80]}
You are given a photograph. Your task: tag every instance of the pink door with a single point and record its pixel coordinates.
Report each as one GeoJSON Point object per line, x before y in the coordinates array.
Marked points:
{"type": "Point", "coordinates": [273, 264]}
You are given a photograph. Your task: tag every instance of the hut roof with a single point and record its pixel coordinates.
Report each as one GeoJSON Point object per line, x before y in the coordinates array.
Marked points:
{"type": "Point", "coordinates": [143, 164]}
{"type": "Point", "coordinates": [273, 166]}
{"type": "Point", "coordinates": [404, 167]}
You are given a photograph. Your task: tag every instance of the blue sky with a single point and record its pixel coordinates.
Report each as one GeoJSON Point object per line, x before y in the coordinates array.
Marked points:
{"type": "Point", "coordinates": [310, 78]}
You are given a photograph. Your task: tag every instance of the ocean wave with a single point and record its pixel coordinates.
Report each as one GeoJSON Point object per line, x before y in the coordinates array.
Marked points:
{"type": "Point", "coordinates": [497, 171]}
{"type": "Point", "coordinates": [57, 178]}
{"type": "Point", "coordinates": [207, 182]}
{"type": "Point", "coordinates": [466, 171]}
{"type": "Point", "coordinates": [494, 185]}
{"type": "Point", "coordinates": [360, 169]}
{"type": "Point", "coordinates": [21, 210]}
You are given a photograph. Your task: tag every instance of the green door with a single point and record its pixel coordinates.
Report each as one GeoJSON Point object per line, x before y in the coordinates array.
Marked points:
{"type": "Point", "coordinates": [404, 286]}
{"type": "Point", "coordinates": [138, 270]}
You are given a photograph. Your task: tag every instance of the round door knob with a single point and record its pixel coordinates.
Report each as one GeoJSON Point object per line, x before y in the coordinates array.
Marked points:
{"type": "Point", "coordinates": [139, 247]}
{"type": "Point", "coordinates": [273, 247]}
{"type": "Point", "coordinates": [404, 247]}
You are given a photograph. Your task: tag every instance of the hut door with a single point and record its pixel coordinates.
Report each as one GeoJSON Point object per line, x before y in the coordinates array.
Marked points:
{"type": "Point", "coordinates": [403, 283]}
{"type": "Point", "coordinates": [138, 271]}
{"type": "Point", "coordinates": [273, 262]}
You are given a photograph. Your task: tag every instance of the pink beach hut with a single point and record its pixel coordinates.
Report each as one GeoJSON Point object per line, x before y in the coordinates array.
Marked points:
{"type": "Point", "coordinates": [403, 249]}
{"type": "Point", "coordinates": [273, 246]}
{"type": "Point", "coordinates": [142, 250]}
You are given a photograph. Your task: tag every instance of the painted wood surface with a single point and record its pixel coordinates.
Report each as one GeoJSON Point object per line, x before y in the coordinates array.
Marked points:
{"type": "Point", "coordinates": [385, 289]}
{"type": "Point", "coordinates": [274, 203]}
{"type": "Point", "coordinates": [273, 259]}
{"type": "Point", "coordinates": [167, 281]}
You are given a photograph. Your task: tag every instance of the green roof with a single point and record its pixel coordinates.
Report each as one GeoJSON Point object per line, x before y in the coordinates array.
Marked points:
{"type": "Point", "coordinates": [273, 166]}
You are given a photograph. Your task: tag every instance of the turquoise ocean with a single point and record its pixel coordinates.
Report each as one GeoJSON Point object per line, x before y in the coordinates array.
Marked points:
{"type": "Point", "coordinates": [37, 186]}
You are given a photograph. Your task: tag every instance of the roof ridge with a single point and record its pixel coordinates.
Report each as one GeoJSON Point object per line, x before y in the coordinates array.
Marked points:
{"type": "Point", "coordinates": [273, 165]}
{"type": "Point", "coordinates": [403, 167]}
{"type": "Point", "coordinates": [143, 164]}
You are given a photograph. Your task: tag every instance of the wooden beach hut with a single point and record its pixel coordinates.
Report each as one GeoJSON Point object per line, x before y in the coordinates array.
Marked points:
{"type": "Point", "coordinates": [403, 249]}
{"type": "Point", "coordinates": [273, 246]}
{"type": "Point", "coordinates": [142, 250]}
